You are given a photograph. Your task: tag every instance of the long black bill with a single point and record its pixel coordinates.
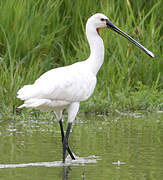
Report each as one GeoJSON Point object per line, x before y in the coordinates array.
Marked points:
{"type": "Point", "coordinates": [116, 29]}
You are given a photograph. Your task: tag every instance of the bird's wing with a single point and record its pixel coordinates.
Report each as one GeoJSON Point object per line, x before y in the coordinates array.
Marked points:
{"type": "Point", "coordinates": [70, 83]}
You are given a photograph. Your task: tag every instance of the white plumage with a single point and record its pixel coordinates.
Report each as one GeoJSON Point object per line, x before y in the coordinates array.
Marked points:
{"type": "Point", "coordinates": [65, 87]}
{"type": "Point", "coordinates": [59, 87]}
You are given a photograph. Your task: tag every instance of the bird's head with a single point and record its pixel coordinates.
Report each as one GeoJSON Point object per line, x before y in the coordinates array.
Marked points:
{"type": "Point", "coordinates": [98, 20]}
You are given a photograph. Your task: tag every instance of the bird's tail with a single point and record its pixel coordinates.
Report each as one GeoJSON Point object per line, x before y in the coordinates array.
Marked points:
{"type": "Point", "coordinates": [30, 95]}
{"type": "Point", "coordinates": [34, 103]}
{"type": "Point", "coordinates": [27, 92]}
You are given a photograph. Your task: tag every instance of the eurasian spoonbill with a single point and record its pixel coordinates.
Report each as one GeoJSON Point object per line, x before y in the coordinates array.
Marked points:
{"type": "Point", "coordinates": [64, 87]}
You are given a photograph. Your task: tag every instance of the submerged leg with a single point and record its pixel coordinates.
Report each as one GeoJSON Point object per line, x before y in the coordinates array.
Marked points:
{"type": "Point", "coordinates": [65, 142]}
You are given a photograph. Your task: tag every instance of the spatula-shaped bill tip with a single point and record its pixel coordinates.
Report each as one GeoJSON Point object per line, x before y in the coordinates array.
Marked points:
{"type": "Point", "coordinates": [117, 30]}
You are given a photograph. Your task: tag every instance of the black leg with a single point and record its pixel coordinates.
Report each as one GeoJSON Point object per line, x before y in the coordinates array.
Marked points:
{"type": "Point", "coordinates": [65, 141]}
{"type": "Point", "coordinates": [65, 144]}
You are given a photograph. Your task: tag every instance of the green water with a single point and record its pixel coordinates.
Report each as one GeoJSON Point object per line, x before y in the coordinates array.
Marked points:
{"type": "Point", "coordinates": [125, 147]}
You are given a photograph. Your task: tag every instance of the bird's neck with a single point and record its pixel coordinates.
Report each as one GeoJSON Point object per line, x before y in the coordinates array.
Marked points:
{"type": "Point", "coordinates": [96, 44]}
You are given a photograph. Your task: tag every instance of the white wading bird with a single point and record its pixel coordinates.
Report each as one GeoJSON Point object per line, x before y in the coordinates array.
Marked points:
{"type": "Point", "coordinates": [64, 87]}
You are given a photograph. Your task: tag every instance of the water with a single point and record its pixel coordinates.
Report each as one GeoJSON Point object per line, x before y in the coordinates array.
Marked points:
{"type": "Point", "coordinates": [120, 147]}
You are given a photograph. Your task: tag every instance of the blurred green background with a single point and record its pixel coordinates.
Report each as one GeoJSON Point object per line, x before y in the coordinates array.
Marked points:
{"type": "Point", "coordinates": [38, 35]}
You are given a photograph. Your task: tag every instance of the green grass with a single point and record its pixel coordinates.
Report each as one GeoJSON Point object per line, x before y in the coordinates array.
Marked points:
{"type": "Point", "coordinates": [36, 36]}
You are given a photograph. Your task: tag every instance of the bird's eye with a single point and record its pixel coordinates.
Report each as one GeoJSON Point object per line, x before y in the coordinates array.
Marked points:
{"type": "Point", "coordinates": [102, 19]}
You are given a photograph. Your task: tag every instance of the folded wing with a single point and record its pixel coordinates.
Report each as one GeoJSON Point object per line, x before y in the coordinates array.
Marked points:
{"type": "Point", "coordinates": [70, 83]}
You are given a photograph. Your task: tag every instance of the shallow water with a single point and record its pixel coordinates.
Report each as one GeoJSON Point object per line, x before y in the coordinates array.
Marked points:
{"type": "Point", "coordinates": [123, 146]}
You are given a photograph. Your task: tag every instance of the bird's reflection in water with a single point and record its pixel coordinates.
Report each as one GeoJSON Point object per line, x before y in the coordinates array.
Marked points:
{"type": "Point", "coordinates": [67, 171]}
